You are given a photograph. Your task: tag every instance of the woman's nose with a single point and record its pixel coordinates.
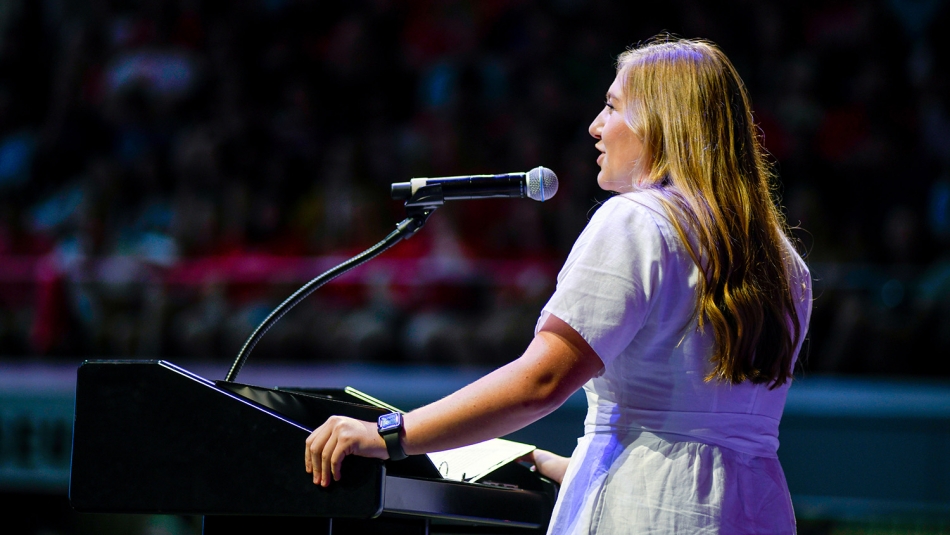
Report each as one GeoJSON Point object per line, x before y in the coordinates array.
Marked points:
{"type": "Point", "coordinates": [597, 126]}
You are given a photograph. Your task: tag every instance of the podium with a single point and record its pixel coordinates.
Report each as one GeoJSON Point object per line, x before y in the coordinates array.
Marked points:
{"type": "Point", "coordinates": [151, 437]}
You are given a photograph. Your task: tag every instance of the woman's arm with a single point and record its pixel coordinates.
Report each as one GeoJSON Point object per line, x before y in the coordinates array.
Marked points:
{"type": "Point", "coordinates": [557, 362]}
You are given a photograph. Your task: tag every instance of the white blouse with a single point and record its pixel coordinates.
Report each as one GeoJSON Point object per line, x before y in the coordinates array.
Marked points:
{"type": "Point", "coordinates": [664, 451]}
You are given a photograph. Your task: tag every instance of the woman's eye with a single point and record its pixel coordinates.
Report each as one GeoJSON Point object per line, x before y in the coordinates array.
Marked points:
{"type": "Point", "coordinates": [609, 105]}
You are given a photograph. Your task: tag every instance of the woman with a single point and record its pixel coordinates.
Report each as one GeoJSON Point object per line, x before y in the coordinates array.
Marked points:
{"type": "Point", "coordinates": [682, 306]}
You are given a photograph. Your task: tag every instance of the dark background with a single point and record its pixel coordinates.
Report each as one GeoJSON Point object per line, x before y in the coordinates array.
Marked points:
{"type": "Point", "coordinates": [171, 170]}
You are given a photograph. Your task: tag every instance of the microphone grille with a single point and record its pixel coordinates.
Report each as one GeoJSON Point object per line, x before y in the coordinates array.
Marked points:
{"type": "Point", "coordinates": [542, 183]}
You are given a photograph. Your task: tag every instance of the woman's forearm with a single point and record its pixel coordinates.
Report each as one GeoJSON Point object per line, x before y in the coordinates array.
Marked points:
{"type": "Point", "coordinates": [555, 365]}
{"type": "Point", "coordinates": [557, 362]}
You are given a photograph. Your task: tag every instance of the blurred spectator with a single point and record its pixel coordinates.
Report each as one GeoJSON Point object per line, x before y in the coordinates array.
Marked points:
{"type": "Point", "coordinates": [170, 170]}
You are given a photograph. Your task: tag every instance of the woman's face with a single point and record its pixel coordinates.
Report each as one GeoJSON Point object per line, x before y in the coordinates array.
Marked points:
{"type": "Point", "coordinates": [621, 150]}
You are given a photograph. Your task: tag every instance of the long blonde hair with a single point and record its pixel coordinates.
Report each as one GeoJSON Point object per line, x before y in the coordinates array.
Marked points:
{"type": "Point", "coordinates": [687, 103]}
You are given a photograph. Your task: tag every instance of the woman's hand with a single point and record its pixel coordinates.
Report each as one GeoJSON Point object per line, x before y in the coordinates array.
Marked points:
{"type": "Point", "coordinates": [549, 465]}
{"type": "Point", "coordinates": [338, 437]}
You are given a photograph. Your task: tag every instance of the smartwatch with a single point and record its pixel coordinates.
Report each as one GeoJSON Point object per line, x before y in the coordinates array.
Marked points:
{"type": "Point", "coordinates": [390, 428]}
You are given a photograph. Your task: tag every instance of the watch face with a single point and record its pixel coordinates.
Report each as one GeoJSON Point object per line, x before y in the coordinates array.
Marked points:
{"type": "Point", "coordinates": [388, 422]}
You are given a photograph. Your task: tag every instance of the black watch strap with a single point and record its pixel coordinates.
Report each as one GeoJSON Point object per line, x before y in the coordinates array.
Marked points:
{"type": "Point", "coordinates": [394, 445]}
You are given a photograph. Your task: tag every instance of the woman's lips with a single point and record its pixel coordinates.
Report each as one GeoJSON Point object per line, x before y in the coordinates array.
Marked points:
{"type": "Point", "coordinates": [600, 158]}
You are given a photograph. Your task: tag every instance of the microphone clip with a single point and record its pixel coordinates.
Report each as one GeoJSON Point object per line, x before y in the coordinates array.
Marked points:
{"type": "Point", "coordinates": [420, 206]}
{"type": "Point", "coordinates": [427, 197]}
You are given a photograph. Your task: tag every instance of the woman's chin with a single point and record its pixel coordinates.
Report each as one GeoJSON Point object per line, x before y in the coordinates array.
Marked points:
{"type": "Point", "coordinates": [605, 183]}
{"type": "Point", "coordinates": [615, 187]}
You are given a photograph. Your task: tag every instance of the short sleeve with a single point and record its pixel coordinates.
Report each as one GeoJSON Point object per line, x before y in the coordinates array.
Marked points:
{"type": "Point", "coordinates": [606, 288]}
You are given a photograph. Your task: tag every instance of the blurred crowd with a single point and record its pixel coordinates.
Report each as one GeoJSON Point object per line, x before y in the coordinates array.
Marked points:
{"type": "Point", "coordinates": [170, 170]}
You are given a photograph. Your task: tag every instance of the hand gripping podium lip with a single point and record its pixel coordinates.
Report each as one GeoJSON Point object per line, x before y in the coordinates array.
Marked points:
{"type": "Point", "coordinates": [151, 437]}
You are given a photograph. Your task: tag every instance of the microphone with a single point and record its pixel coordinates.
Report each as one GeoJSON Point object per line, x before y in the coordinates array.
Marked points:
{"type": "Point", "coordinates": [539, 184]}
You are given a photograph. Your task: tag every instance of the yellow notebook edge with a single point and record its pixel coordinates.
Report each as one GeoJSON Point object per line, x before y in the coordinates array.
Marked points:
{"type": "Point", "coordinates": [363, 396]}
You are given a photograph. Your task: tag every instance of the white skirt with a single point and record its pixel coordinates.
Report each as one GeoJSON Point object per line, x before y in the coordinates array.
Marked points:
{"type": "Point", "coordinates": [659, 484]}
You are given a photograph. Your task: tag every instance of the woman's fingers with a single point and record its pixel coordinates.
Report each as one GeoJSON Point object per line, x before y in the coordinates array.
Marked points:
{"type": "Point", "coordinates": [308, 466]}
{"type": "Point", "coordinates": [550, 465]}
{"type": "Point", "coordinates": [338, 437]}
{"type": "Point", "coordinates": [306, 456]}
{"type": "Point", "coordinates": [336, 457]}
{"type": "Point", "coordinates": [313, 452]}
{"type": "Point", "coordinates": [326, 457]}
{"type": "Point", "coordinates": [315, 445]}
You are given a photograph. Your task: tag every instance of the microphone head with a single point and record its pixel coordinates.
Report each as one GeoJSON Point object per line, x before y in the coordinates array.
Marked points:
{"type": "Point", "coordinates": [541, 183]}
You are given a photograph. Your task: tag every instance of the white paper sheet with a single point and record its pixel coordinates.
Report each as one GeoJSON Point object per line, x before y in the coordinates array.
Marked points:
{"type": "Point", "coordinates": [471, 463]}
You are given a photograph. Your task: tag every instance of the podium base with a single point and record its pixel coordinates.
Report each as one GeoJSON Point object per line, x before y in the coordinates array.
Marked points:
{"type": "Point", "coordinates": [278, 525]}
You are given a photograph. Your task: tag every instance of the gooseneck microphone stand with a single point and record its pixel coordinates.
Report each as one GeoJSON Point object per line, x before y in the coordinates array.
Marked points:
{"type": "Point", "coordinates": [418, 209]}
